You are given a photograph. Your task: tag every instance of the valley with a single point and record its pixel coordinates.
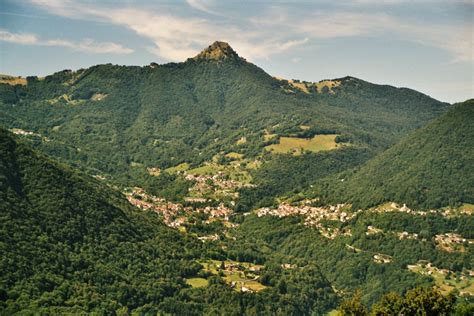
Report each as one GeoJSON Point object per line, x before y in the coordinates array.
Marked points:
{"type": "Point", "coordinates": [210, 187]}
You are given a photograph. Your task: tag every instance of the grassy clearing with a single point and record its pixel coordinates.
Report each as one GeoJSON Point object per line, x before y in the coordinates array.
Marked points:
{"type": "Point", "coordinates": [237, 274]}
{"type": "Point", "coordinates": [12, 80]}
{"type": "Point", "coordinates": [254, 164]}
{"type": "Point", "coordinates": [234, 155]}
{"type": "Point", "coordinates": [207, 169]}
{"type": "Point", "coordinates": [466, 207]}
{"type": "Point", "coordinates": [268, 137]}
{"type": "Point", "coordinates": [233, 170]}
{"type": "Point", "coordinates": [327, 83]}
{"type": "Point", "coordinates": [299, 85]}
{"type": "Point", "coordinates": [241, 140]}
{"type": "Point", "coordinates": [181, 167]}
{"type": "Point", "coordinates": [197, 282]}
{"type": "Point", "coordinates": [98, 96]}
{"type": "Point", "coordinates": [296, 145]}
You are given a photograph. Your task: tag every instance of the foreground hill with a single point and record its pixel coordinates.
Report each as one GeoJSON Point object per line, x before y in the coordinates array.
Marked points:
{"type": "Point", "coordinates": [70, 245]}
{"type": "Point", "coordinates": [120, 120]}
{"type": "Point", "coordinates": [431, 168]}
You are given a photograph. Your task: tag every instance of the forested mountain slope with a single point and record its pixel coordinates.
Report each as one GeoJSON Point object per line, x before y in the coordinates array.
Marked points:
{"type": "Point", "coordinates": [431, 168]}
{"type": "Point", "coordinates": [70, 245]}
{"type": "Point", "coordinates": [117, 119]}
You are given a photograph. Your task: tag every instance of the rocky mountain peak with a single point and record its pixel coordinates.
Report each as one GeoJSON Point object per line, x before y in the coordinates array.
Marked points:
{"type": "Point", "coordinates": [217, 51]}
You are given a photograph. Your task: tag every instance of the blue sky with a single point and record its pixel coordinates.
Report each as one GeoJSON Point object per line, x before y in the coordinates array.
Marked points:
{"type": "Point", "coordinates": [426, 45]}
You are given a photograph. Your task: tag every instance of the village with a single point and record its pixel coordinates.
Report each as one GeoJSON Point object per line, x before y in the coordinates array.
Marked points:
{"type": "Point", "coordinates": [217, 185]}
{"type": "Point", "coordinates": [313, 216]}
{"type": "Point", "coordinates": [175, 215]}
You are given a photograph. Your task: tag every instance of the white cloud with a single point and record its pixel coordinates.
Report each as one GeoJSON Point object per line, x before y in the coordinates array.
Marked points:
{"type": "Point", "coordinates": [456, 39]}
{"type": "Point", "coordinates": [203, 5]}
{"type": "Point", "coordinates": [18, 38]}
{"type": "Point", "coordinates": [90, 46]}
{"type": "Point", "coordinates": [176, 38]}
{"type": "Point", "coordinates": [86, 45]}
{"type": "Point", "coordinates": [398, 2]}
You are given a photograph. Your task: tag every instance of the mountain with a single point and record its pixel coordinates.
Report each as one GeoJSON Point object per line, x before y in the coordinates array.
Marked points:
{"type": "Point", "coordinates": [433, 167]}
{"type": "Point", "coordinates": [232, 173]}
{"type": "Point", "coordinates": [117, 121]}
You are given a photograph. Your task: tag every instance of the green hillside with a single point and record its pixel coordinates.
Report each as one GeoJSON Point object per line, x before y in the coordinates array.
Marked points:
{"type": "Point", "coordinates": [119, 120]}
{"type": "Point", "coordinates": [431, 168]}
{"type": "Point", "coordinates": [70, 245]}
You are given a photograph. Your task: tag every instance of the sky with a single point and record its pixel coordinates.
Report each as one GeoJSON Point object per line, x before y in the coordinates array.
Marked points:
{"type": "Point", "coordinates": [426, 45]}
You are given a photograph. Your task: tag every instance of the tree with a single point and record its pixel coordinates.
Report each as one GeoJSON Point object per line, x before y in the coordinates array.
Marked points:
{"type": "Point", "coordinates": [389, 304]}
{"type": "Point", "coordinates": [353, 306]}
{"type": "Point", "coordinates": [282, 288]}
{"type": "Point", "coordinates": [427, 301]}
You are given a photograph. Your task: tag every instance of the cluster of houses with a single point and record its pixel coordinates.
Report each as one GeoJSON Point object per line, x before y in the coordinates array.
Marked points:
{"type": "Point", "coordinates": [204, 184]}
{"type": "Point", "coordinates": [407, 235]}
{"type": "Point", "coordinates": [174, 214]}
{"type": "Point", "coordinates": [218, 180]}
{"type": "Point", "coordinates": [212, 237]}
{"type": "Point", "coordinates": [381, 258]}
{"type": "Point", "coordinates": [18, 131]}
{"type": "Point", "coordinates": [219, 211]}
{"type": "Point", "coordinates": [394, 207]}
{"type": "Point", "coordinates": [154, 171]}
{"type": "Point", "coordinates": [371, 230]}
{"type": "Point", "coordinates": [313, 216]}
{"type": "Point", "coordinates": [427, 268]}
{"type": "Point", "coordinates": [447, 212]}
{"type": "Point", "coordinates": [452, 241]}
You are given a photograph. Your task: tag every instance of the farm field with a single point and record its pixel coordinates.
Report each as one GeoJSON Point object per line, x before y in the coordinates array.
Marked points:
{"type": "Point", "coordinates": [296, 145]}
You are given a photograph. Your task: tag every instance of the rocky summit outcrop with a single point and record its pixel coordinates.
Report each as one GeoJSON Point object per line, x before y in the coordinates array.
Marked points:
{"type": "Point", "coordinates": [217, 51]}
